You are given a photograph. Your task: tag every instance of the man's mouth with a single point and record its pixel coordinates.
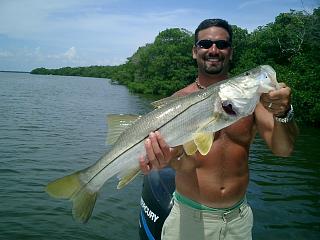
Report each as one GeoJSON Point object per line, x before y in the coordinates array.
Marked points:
{"type": "Point", "coordinates": [213, 59]}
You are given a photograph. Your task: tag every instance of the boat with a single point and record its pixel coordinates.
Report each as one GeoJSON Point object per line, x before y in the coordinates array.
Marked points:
{"type": "Point", "coordinates": [156, 202]}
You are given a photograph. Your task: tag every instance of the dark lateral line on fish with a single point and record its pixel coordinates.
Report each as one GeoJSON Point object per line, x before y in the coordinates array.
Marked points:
{"type": "Point", "coordinates": [202, 99]}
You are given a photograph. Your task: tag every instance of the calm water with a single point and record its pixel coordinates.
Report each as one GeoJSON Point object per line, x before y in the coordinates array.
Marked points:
{"type": "Point", "coordinates": [51, 126]}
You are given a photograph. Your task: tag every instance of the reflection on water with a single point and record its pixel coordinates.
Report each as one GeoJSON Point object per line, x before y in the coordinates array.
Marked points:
{"type": "Point", "coordinates": [51, 126]}
{"type": "Point", "coordinates": [284, 192]}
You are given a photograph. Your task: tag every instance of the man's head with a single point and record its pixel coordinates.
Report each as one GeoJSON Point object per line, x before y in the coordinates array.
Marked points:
{"type": "Point", "coordinates": [212, 49]}
{"type": "Point", "coordinates": [214, 22]}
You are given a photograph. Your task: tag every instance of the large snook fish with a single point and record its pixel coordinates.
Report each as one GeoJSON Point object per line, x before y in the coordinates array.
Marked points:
{"type": "Point", "coordinates": [190, 121]}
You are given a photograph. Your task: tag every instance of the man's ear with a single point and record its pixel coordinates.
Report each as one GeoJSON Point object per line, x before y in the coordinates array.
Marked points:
{"type": "Point", "coordinates": [194, 52]}
{"type": "Point", "coordinates": [231, 54]}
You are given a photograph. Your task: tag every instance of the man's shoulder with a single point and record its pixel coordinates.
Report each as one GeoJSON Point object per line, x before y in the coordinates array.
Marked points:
{"type": "Point", "coordinates": [186, 90]}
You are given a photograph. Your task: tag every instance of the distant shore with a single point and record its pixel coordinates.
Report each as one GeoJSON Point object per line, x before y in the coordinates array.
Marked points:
{"type": "Point", "coordinates": [15, 71]}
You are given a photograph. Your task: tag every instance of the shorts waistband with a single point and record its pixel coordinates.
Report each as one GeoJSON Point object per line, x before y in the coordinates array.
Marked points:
{"type": "Point", "coordinates": [197, 209]}
{"type": "Point", "coordinates": [193, 204]}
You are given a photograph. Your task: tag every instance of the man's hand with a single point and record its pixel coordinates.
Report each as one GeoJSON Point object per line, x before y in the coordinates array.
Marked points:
{"type": "Point", "coordinates": [277, 101]}
{"type": "Point", "coordinates": [158, 153]}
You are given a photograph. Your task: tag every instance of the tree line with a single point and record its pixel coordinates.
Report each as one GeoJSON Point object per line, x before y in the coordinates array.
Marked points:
{"type": "Point", "coordinates": [290, 45]}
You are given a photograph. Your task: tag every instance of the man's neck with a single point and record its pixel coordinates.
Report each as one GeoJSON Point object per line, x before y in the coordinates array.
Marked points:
{"type": "Point", "coordinates": [206, 81]}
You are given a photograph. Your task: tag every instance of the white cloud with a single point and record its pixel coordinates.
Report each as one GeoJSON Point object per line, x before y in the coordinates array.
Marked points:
{"type": "Point", "coordinates": [69, 56]}
{"type": "Point", "coordinates": [253, 2]}
{"type": "Point", "coordinates": [58, 19]}
{"type": "Point", "coordinates": [57, 33]}
{"type": "Point", "coordinates": [5, 54]}
{"type": "Point", "coordinates": [26, 18]}
{"type": "Point", "coordinates": [71, 53]}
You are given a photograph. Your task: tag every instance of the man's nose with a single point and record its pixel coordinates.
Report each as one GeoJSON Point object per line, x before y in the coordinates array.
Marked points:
{"type": "Point", "coordinates": [213, 49]}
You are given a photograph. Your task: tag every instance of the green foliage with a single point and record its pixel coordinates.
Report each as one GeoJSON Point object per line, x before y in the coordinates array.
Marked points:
{"type": "Point", "coordinates": [92, 71]}
{"type": "Point", "coordinates": [290, 44]}
{"type": "Point", "coordinates": [163, 66]}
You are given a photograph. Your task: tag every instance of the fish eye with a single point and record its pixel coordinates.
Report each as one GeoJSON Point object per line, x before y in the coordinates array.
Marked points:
{"type": "Point", "coordinates": [228, 109]}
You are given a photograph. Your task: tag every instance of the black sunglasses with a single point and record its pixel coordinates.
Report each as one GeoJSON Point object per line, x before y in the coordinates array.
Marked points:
{"type": "Point", "coordinates": [207, 43]}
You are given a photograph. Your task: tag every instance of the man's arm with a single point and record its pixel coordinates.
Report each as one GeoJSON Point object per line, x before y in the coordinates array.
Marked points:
{"type": "Point", "coordinates": [279, 136]}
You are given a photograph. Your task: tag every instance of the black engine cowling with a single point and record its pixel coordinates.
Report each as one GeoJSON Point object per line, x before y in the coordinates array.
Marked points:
{"type": "Point", "coordinates": [156, 202]}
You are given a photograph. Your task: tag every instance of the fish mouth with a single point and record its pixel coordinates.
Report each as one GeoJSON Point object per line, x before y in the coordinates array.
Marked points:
{"type": "Point", "coordinates": [228, 108]}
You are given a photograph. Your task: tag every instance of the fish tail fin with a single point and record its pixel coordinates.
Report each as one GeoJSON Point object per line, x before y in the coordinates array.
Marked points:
{"type": "Point", "coordinates": [72, 188]}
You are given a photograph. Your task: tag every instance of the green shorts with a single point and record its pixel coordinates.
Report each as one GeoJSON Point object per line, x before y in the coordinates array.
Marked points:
{"type": "Point", "coordinates": [191, 220]}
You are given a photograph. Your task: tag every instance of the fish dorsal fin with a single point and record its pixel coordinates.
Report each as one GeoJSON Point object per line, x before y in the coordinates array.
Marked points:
{"type": "Point", "coordinates": [190, 148]}
{"type": "Point", "coordinates": [117, 123]}
{"type": "Point", "coordinates": [164, 101]}
{"type": "Point", "coordinates": [127, 176]}
{"type": "Point", "coordinates": [203, 141]}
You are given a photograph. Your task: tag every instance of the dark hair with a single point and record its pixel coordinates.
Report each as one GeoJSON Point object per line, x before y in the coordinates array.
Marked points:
{"type": "Point", "coordinates": [215, 22]}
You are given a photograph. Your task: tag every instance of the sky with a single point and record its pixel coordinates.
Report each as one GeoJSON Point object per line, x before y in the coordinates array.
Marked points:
{"type": "Point", "coordinates": [60, 33]}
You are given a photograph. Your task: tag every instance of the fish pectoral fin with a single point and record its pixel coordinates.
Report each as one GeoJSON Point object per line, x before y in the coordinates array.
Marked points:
{"type": "Point", "coordinates": [70, 187]}
{"type": "Point", "coordinates": [203, 138]}
{"type": "Point", "coordinates": [190, 148]}
{"type": "Point", "coordinates": [117, 123]}
{"type": "Point", "coordinates": [164, 101]}
{"type": "Point", "coordinates": [127, 176]}
{"type": "Point", "coordinates": [203, 141]}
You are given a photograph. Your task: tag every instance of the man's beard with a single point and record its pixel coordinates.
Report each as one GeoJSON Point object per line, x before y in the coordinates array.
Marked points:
{"type": "Point", "coordinates": [216, 68]}
{"type": "Point", "coordinates": [213, 69]}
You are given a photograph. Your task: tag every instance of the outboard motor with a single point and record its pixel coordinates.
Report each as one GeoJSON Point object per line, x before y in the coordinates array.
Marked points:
{"type": "Point", "coordinates": [156, 202]}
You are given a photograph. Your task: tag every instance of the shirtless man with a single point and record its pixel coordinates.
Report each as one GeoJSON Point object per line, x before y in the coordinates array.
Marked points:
{"type": "Point", "coordinates": [209, 201]}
